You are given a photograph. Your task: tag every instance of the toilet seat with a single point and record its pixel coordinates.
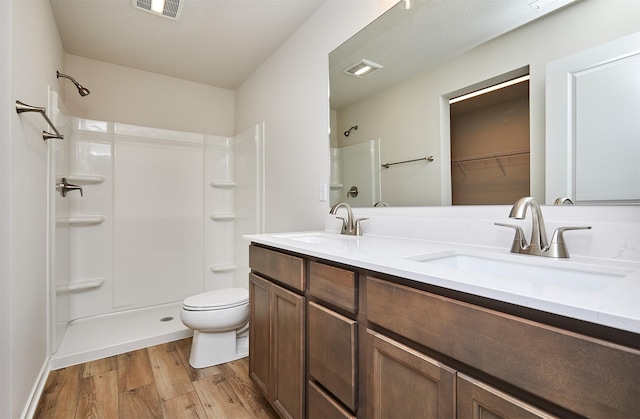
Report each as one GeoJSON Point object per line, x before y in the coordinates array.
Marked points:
{"type": "Point", "coordinates": [217, 300]}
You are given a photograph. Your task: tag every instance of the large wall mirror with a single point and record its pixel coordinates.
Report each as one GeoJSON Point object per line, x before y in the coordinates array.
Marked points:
{"type": "Point", "coordinates": [391, 128]}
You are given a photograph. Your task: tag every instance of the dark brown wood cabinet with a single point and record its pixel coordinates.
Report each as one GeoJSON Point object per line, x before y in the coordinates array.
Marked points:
{"type": "Point", "coordinates": [478, 400]}
{"type": "Point", "coordinates": [277, 331]}
{"type": "Point", "coordinates": [379, 346]}
{"type": "Point", "coordinates": [404, 383]}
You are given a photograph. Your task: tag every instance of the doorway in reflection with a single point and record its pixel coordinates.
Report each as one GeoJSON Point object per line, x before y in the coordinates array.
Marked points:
{"type": "Point", "coordinates": [490, 144]}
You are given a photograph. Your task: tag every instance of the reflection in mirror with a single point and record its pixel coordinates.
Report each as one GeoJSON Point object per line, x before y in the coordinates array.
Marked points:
{"type": "Point", "coordinates": [439, 50]}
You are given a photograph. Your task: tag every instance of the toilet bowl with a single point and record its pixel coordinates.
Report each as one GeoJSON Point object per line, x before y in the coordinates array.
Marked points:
{"type": "Point", "coordinates": [220, 323]}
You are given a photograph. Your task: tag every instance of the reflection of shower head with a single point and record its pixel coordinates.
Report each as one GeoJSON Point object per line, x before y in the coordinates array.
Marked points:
{"type": "Point", "coordinates": [82, 90]}
{"type": "Point", "coordinates": [347, 132]}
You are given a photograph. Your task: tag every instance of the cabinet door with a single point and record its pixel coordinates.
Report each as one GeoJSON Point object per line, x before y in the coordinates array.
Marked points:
{"type": "Point", "coordinates": [287, 352]}
{"type": "Point", "coordinates": [259, 333]}
{"type": "Point", "coordinates": [478, 400]}
{"type": "Point", "coordinates": [332, 352]}
{"type": "Point", "coordinates": [404, 383]}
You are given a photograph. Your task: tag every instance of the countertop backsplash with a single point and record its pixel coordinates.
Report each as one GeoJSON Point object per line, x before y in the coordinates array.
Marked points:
{"type": "Point", "coordinates": [615, 232]}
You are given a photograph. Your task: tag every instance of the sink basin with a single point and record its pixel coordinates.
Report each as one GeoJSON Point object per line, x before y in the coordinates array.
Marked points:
{"type": "Point", "coordinates": [318, 238]}
{"type": "Point", "coordinates": [560, 273]}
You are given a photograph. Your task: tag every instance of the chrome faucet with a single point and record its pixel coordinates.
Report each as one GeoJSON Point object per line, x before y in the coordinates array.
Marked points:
{"type": "Point", "coordinates": [349, 225]}
{"type": "Point", "coordinates": [538, 244]}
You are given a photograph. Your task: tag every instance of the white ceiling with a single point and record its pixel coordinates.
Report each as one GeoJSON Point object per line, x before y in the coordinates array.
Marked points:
{"type": "Point", "coordinates": [215, 42]}
{"type": "Point", "coordinates": [408, 42]}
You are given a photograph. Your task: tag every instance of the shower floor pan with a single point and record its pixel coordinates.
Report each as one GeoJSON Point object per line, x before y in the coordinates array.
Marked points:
{"type": "Point", "coordinates": [107, 335]}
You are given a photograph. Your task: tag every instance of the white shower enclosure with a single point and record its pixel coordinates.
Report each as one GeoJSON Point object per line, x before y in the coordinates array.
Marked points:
{"type": "Point", "coordinates": [161, 217]}
{"type": "Point", "coordinates": [356, 168]}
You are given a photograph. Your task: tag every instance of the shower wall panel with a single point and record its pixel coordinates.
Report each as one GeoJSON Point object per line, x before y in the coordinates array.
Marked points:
{"type": "Point", "coordinates": [143, 233]}
{"type": "Point", "coordinates": [158, 220]}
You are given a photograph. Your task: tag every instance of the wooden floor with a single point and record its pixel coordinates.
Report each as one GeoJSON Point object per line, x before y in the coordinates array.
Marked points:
{"type": "Point", "coordinates": [155, 382]}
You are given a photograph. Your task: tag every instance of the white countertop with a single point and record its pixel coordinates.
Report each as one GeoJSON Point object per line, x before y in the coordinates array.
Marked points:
{"type": "Point", "coordinates": [605, 291]}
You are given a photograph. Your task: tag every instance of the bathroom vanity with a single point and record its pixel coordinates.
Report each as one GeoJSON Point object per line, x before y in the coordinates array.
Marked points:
{"type": "Point", "coordinates": [341, 326]}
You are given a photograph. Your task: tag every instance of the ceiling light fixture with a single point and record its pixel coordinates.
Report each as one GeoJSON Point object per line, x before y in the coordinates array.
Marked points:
{"type": "Point", "coordinates": [489, 89]}
{"type": "Point", "coordinates": [541, 4]}
{"type": "Point", "coordinates": [362, 68]}
{"type": "Point", "coordinates": [408, 4]}
{"type": "Point", "coordinates": [166, 8]}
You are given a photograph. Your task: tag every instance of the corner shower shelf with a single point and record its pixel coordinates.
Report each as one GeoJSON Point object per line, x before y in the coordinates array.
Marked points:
{"type": "Point", "coordinates": [81, 285]}
{"type": "Point", "coordinates": [86, 179]}
{"type": "Point", "coordinates": [224, 267]}
{"type": "Point", "coordinates": [222, 217]}
{"type": "Point", "coordinates": [82, 220]}
{"type": "Point", "coordinates": [222, 184]}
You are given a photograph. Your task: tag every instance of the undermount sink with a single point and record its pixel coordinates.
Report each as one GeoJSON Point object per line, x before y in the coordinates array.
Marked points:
{"type": "Point", "coordinates": [318, 238]}
{"type": "Point", "coordinates": [561, 273]}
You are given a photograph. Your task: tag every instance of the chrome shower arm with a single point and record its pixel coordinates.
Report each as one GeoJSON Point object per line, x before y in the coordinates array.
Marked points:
{"type": "Point", "coordinates": [23, 107]}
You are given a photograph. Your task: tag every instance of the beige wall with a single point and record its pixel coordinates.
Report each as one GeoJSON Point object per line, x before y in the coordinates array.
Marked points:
{"type": "Point", "coordinates": [131, 96]}
{"type": "Point", "coordinates": [289, 92]}
{"type": "Point", "coordinates": [31, 53]}
{"type": "Point", "coordinates": [422, 129]}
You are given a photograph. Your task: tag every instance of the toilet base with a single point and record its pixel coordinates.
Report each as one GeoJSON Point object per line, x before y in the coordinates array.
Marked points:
{"type": "Point", "coordinates": [209, 349]}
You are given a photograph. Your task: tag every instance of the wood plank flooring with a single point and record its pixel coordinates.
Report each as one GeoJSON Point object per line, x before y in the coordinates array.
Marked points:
{"type": "Point", "coordinates": [155, 382]}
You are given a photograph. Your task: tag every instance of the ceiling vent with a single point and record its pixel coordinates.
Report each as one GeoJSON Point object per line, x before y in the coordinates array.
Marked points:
{"type": "Point", "coordinates": [166, 8]}
{"type": "Point", "coordinates": [362, 68]}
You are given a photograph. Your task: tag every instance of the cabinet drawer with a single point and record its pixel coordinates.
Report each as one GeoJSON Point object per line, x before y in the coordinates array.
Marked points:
{"type": "Point", "coordinates": [322, 406]}
{"type": "Point", "coordinates": [332, 352]}
{"type": "Point", "coordinates": [333, 285]}
{"type": "Point", "coordinates": [479, 400]}
{"type": "Point", "coordinates": [284, 268]}
{"type": "Point", "coordinates": [582, 374]}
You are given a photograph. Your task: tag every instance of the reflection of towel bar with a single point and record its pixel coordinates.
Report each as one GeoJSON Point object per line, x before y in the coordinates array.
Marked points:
{"type": "Point", "coordinates": [386, 165]}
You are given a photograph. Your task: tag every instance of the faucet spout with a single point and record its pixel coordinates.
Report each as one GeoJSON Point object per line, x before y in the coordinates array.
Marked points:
{"type": "Point", "coordinates": [538, 230]}
{"type": "Point", "coordinates": [350, 225]}
{"type": "Point", "coordinates": [538, 244]}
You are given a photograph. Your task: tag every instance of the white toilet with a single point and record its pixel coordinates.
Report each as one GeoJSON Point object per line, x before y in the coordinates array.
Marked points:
{"type": "Point", "coordinates": [220, 321]}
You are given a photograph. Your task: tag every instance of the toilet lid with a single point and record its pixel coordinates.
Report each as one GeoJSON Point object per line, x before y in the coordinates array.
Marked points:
{"type": "Point", "coordinates": [217, 299]}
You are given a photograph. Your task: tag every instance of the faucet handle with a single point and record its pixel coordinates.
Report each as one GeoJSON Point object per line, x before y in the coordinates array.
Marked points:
{"type": "Point", "coordinates": [519, 241]}
{"type": "Point", "coordinates": [65, 187]}
{"type": "Point", "coordinates": [558, 248]}
{"type": "Point", "coordinates": [358, 229]}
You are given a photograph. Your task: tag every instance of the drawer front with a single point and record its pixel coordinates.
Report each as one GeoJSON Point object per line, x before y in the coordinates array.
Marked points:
{"type": "Point", "coordinates": [333, 285]}
{"type": "Point", "coordinates": [479, 400]}
{"type": "Point", "coordinates": [332, 352]}
{"type": "Point", "coordinates": [585, 375]}
{"type": "Point", "coordinates": [322, 406]}
{"type": "Point", "coordinates": [284, 268]}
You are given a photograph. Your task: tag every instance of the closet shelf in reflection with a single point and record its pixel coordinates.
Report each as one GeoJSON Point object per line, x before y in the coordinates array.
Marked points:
{"type": "Point", "coordinates": [223, 267]}
{"type": "Point", "coordinates": [222, 184]}
{"type": "Point", "coordinates": [492, 156]}
{"type": "Point", "coordinates": [80, 285]}
{"type": "Point", "coordinates": [81, 220]}
{"type": "Point", "coordinates": [222, 217]}
{"type": "Point", "coordinates": [86, 179]}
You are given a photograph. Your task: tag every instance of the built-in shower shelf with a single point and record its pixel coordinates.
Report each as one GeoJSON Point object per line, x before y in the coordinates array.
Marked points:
{"type": "Point", "coordinates": [84, 220]}
{"type": "Point", "coordinates": [224, 267]}
{"type": "Point", "coordinates": [336, 186]}
{"type": "Point", "coordinates": [86, 179]}
{"type": "Point", "coordinates": [222, 184]}
{"type": "Point", "coordinates": [222, 217]}
{"type": "Point", "coordinates": [81, 285]}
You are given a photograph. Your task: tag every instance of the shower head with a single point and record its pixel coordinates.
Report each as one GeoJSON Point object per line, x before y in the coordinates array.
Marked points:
{"type": "Point", "coordinates": [82, 90]}
{"type": "Point", "coordinates": [347, 132]}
